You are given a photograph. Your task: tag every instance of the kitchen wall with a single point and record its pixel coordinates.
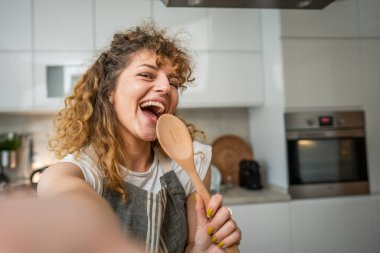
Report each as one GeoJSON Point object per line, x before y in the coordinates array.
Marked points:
{"type": "Point", "coordinates": [214, 122]}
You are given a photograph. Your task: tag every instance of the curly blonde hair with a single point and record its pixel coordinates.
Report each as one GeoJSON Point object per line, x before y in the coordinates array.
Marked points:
{"type": "Point", "coordinates": [88, 117]}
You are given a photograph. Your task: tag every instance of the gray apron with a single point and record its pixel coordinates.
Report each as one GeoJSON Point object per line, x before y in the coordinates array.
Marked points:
{"type": "Point", "coordinates": [158, 220]}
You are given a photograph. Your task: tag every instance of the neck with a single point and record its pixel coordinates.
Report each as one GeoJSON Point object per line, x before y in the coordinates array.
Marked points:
{"type": "Point", "coordinates": [140, 155]}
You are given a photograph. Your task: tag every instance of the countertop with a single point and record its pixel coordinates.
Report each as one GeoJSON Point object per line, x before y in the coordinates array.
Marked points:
{"type": "Point", "coordinates": [241, 196]}
{"type": "Point", "coordinates": [234, 196]}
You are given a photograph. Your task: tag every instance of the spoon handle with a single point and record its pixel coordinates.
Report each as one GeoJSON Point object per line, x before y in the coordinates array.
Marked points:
{"type": "Point", "coordinates": [205, 195]}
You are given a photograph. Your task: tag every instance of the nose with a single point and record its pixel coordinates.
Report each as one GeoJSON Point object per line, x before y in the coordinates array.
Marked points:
{"type": "Point", "coordinates": [162, 84]}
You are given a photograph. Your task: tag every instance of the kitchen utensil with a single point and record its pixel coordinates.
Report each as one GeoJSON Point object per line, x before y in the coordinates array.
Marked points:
{"type": "Point", "coordinates": [176, 141]}
{"type": "Point", "coordinates": [250, 176]}
{"type": "Point", "coordinates": [227, 152]}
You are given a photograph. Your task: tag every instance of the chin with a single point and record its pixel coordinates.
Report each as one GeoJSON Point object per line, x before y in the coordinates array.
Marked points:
{"type": "Point", "coordinates": [149, 137]}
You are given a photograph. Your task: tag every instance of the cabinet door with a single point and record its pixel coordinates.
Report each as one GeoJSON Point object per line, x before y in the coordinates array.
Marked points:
{"type": "Point", "coordinates": [15, 24]}
{"type": "Point", "coordinates": [63, 25]}
{"type": "Point", "coordinates": [265, 227]}
{"type": "Point", "coordinates": [369, 18]}
{"type": "Point", "coordinates": [336, 225]}
{"type": "Point", "coordinates": [116, 15]}
{"type": "Point", "coordinates": [322, 73]}
{"type": "Point", "coordinates": [339, 19]}
{"type": "Point", "coordinates": [192, 21]}
{"type": "Point", "coordinates": [50, 96]}
{"type": "Point", "coordinates": [15, 81]}
{"type": "Point", "coordinates": [234, 29]}
{"type": "Point", "coordinates": [225, 79]}
{"type": "Point", "coordinates": [375, 217]}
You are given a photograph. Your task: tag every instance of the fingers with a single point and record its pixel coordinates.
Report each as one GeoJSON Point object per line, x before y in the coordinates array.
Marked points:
{"type": "Point", "coordinates": [200, 211]}
{"type": "Point", "coordinates": [216, 202]}
{"type": "Point", "coordinates": [228, 235]}
{"type": "Point", "coordinates": [222, 227]}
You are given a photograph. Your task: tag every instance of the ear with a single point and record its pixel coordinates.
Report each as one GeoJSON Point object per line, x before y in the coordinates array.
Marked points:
{"type": "Point", "coordinates": [111, 98]}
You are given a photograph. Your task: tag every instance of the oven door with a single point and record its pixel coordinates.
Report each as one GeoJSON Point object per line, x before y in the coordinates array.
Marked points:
{"type": "Point", "coordinates": [320, 158]}
{"type": "Point", "coordinates": [326, 156]}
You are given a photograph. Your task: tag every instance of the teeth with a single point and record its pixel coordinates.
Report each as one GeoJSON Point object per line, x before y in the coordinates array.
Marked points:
{"type": "Point", "coordinates": [160, 106]}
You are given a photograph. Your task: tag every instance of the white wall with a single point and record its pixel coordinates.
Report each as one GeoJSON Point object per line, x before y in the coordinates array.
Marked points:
{"type": "Point", "coordinates": [266, 123]}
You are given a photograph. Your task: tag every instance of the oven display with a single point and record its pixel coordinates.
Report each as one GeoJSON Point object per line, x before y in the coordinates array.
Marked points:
{"type": "Point", "coordinates": [326, 121]}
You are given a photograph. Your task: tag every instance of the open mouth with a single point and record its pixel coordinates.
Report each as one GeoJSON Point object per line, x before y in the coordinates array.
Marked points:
{"type": "Point", "coordinates": [152, 108]}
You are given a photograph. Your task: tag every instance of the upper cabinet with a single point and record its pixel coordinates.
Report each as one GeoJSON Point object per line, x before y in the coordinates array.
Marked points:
{"type": "Point", "coordinates": [55, 74]}
{"type": "Point", "coordinates": [193, 21]}
{"type": "Point", "coordinates": [116, 15]}
{"type": "Point", "coordinates": [225, 79]}
{"type": "Point", "coordinates": [339, 19]}
{"type": "Point", "coordinates": [234, 29]}
{"type": "Point", "coordinates": [63, 25]}
{"type": "Point", "coordinates": [16, 91]}
{"type": "Point", "coordinates": [15, 24]}
{"type": "Point", "coordinates": [322, 73]}
{"type": "Point", "coordinates": [53, 41]}
{"type": "Point", "coordinates": [369, 18]}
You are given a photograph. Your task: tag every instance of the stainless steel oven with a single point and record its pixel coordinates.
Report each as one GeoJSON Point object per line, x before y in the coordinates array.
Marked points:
{"type": "Point", "coordinates": [326, 153]}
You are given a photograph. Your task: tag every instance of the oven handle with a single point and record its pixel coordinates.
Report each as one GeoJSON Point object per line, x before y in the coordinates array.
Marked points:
{"type": "Point", "coordinates": [325, 134]}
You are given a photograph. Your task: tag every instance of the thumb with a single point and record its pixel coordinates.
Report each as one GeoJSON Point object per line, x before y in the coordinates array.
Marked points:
{"type": "Point", "coordinates": [200, 211]}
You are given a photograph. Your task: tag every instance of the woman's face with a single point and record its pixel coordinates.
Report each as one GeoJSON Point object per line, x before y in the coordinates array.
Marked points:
{"type": "Point", "coordinates": [144, 92]}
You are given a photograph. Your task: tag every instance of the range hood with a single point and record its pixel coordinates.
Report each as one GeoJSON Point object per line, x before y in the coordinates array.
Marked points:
{"type": "Point", "coordinates": [260, 4]}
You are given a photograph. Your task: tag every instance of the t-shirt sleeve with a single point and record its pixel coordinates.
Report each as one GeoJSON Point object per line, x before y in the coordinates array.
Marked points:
{"type": "Point", "coordinates": [89, 169]}
{"type": "Point", "coordinates": [202, 160]}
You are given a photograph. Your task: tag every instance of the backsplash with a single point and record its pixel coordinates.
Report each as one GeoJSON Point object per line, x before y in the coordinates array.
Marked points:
{"type": "Point", "coordinates": [214, 122]}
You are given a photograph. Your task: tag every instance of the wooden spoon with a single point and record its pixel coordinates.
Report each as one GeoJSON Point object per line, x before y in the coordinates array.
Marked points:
{"type": "Point", "coordinates": [176, 141]}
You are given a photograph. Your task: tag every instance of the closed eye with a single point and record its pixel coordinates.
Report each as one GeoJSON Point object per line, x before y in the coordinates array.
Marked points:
{"type": "Point", "coordinates": [148, 76]}
{"type": "Point", "coordinates": [174, 84]}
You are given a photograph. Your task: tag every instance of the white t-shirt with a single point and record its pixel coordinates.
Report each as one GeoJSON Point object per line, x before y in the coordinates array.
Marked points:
{"type": "Point", "coordinates": [149, 180]}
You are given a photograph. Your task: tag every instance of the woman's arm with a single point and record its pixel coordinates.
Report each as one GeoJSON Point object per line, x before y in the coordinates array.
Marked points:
{"type": "Point", "coordinates": [69, 216]}
{"type": "Point", "coordinates": [211, 228]}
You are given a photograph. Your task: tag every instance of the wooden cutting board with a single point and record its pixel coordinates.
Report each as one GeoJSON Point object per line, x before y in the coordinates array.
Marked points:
{"type": "Point", "coordinates": [227, 152]}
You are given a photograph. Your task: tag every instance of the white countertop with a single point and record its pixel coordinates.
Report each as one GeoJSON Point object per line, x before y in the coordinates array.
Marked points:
{"type": "Point", "coordinates": [241, 196]}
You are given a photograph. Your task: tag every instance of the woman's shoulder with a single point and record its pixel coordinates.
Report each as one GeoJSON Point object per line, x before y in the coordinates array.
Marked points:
{"type": "Point", "coordinates": [86, 161]}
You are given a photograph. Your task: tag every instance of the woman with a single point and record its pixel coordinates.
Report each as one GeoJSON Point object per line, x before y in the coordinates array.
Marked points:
{"type": "Point", "coordinates": [107, 139]}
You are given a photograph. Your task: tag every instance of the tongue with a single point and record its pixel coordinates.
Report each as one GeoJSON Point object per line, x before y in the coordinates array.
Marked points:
{"type": "Point", "coordinates": [150, 114]}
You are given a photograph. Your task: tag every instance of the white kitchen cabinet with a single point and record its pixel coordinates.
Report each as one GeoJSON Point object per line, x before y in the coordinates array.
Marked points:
{"type": "Point", "coordinates": [191, 22]}
{"type": "Point", "coordinates": [339, 19]}
{"type": "Point", "coordinates": [15, 24]}
{"type": "Point", "coordinates": [265, 227]}
{"type": "Point", "coordinates": [370, 62]}
{"type": "Point", "coordinates": [225, 79]}
{"type": "Point", "coordinates": [369, 18]}
{"type": "Point", "coordinates": [375, 218]}
{"type": "Point", "coordinates": [52, 97]}
{"type": "Point", "coordinates": [320, 73]}
{"type": "Point", "coordinates": [63, 25]}
{"type": "Point", "coordinates": [234, 29]}
{"type": "Point", "coordinates": [332, 225]}
{"type": "Point", "coordinates": [116, 15]}
{"type": "Point", "coordinates": [15, 81]}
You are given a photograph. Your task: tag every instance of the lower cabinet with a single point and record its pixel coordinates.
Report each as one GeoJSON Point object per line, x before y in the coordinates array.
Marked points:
{"type": "Point", "coordinates": [375, 219]}
{"type": "Point", "coordinates": [265, 227]}
{"type": "Point", "coordinates": [326, 225]}
{"type": "Point", "coordinates": [333, 225]}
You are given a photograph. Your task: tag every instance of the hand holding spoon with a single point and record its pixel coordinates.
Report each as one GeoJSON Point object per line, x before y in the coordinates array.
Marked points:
{"type": "Point", "coordinates": [176, 141]}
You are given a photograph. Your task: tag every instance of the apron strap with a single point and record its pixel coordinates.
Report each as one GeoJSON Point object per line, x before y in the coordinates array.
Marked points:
{"type": "Point", "coordinates": [166, 162]}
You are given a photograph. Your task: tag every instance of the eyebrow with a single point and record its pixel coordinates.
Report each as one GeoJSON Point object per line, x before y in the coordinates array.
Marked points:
{"type": "Point", "coordinates": [150, 66]}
